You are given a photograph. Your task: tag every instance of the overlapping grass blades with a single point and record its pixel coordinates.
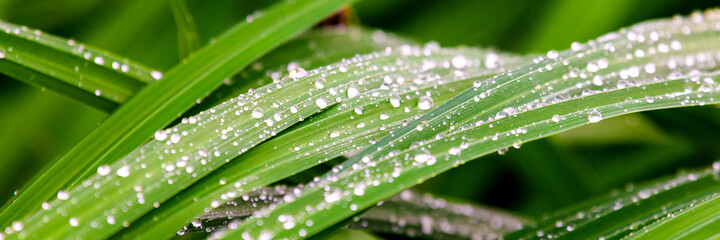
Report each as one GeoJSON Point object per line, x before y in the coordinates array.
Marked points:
{"type": "Point", "coordinates": [382, 103]}
{"type": "Point", "coordinates": [640, 211]}
{"type": "Point", "coordinates": [378, 102]}
{"type": "Point", "coordinates": [660, 64]}
{"type": "Point", "coordinates": [158, 104]}
{"type": "Point", "coordinates": [74, 70]}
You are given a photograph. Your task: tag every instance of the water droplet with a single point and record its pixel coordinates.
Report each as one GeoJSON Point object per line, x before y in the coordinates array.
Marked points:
{"type": "Point", "coordinates": [395, 101]}
{"type": "Point", "coordinates": [333, 196]}
{"type": "Point", "coordinates": [556, 118]}
{"type": "Point", "coordinates": [124, 171]}
{"type": "Point", "coordinates": [352, 92]}
{"type": "Point", "coordinates": [552, 54]}
{"type": "Point", "coordinates": [320, 83]}
{"type": "Point", "coordinates": [425, 157]}
{"type": "Point", "coordinates": [594, 116]}
{"type": "Point", "coordinates": [175, 138]}
{"type": "Point", "coordinates": [110, 220]}
{"type": "Point", "coordinates": [160, 135]}
{"type": "Point", "coordinates": [321, 103]}
{"type": "Point", "coordinates": [74, 222]}
{"type": "Point", "coordinates": [156, 75]}
{"type": "Point", "coordinates": [492, 60]}
{"type": "Point", "coordinates": [298, 73]}
{"type": "Point", "coordinates": [104, 170]}
{"type": "Point", "coordinates": [477, 83]}
{"type": "Point", "coordinates": [425, 103]}
{"type": "Point", "coordinates": [98, 92]}
{"type": "Point", "coordinates": [454, 151]}
{"type": "Point", "coordinates": [517, 144]}
{"type": "Point", "coordinates": [459, 61]}
{"type": "Point", "coordinates": [502, 151]}
{"type": "Point", "coordinates": [334, 134]}
{"type": "Point", "coordinates": [359, 110]}
{"type": "Point", "coordinates": [17, 226]}
{"type": "Point", "coordinates": [63, 195]}
{"type": "Point", "coordinates": [257, 113]}
{"type": "Point", "coordinates": [675, 45]}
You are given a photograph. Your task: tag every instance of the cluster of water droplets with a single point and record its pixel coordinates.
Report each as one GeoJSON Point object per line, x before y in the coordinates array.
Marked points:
{"type": "Point", "coordinates": [662, 63]}
{"type": "Point", "coordinates": [201, 143]}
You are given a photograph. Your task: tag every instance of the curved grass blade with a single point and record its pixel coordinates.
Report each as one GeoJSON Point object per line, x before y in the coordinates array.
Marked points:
{"type": "Point", "coordinates": [409, 213]}
{"type": "Point", "coordinates": [59, 65]}
{"type": "Point", "coordinates": [638, 211]}
{"type": "Point", "coordinates": [188, 36]}
{"type": "Point", "coordinates": [653, 65]}
{"type": "Point", "coordinates": [158, 104]}
{"type": "Point", "coordinates": [387, 101]}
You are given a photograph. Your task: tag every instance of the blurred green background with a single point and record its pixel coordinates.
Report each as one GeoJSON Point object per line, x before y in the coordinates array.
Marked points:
{"type": "Point", "coordinates": [542, 176]}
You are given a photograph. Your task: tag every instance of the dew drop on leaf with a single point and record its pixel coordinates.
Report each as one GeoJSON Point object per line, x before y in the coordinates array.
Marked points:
{"type": "Point", "coordinates": [594, 116]}
{"type": "Point", "coordinates": [459, 61]}
{"type": "Point", "coordinates": [333, 196]}
{"type": "Point", "coordinates": [552, 54]}
{"type": "Point", "coordinates": [556, 118]}
{"type": "Point", "coordinates": [320, 83]}
{"type": "Point", "coordinates": [395, 101]}
{"type": "Point", "coordinates": [104, 170]}
{"type": "Point", "coordinates": [352, 92]}
{"type": "Point", "coordinates": [425, 103]}
{"type": "Point", "coordinates": [74, 222]}
{"type": "Point", "coordinates": [63, 195]}
{"type": "Point", "coordinates": [160, 135]}
{"type": "Point", "coordinates": [257, 113]}
{"type": "Point", "coordinates": [124, 171]}
{"type": "Point", "coordinates": [298, 73]}
{"type": "Point", "coordinates": [156, 75]}
{"type": "Point", "coordinates": [321, 103]}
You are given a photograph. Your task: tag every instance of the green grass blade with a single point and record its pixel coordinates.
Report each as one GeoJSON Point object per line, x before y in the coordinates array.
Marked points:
{"type": "Point", "coordinates": [589, 82]}
{"type": "Point", "coordinates": [158, 104]}
{"type": "Point", "coordinates": [409, 213]}
{"type": "Point", "coordinates": [59, 65]}
{"type": "Point", "coordinates": [188, 36]}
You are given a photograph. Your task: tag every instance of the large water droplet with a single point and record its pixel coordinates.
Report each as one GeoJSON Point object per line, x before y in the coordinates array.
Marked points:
{"type": "Point", "coordinates": [161, 135]}
{"type": "Point", "coordinates": [104, 170]}
{"type": "Point", "coordinates": [395, 101]}
{"type": "Point", "coordinates": [124, 171]}
{"type": "Point", "coordinates": [424, 157]}
{"type": "Point", "coordinates": [257, 113]}
{"type": "Point", "coordinates": [321, 103]}
{"type": "Point", "coordinates": [298, 73]}
{"type": "Point", "coordinates": [352, 92]}
{"type": "Point", "coordinates": [425, 103]}
{"type": "Point", "coordinates": [594, 116]}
